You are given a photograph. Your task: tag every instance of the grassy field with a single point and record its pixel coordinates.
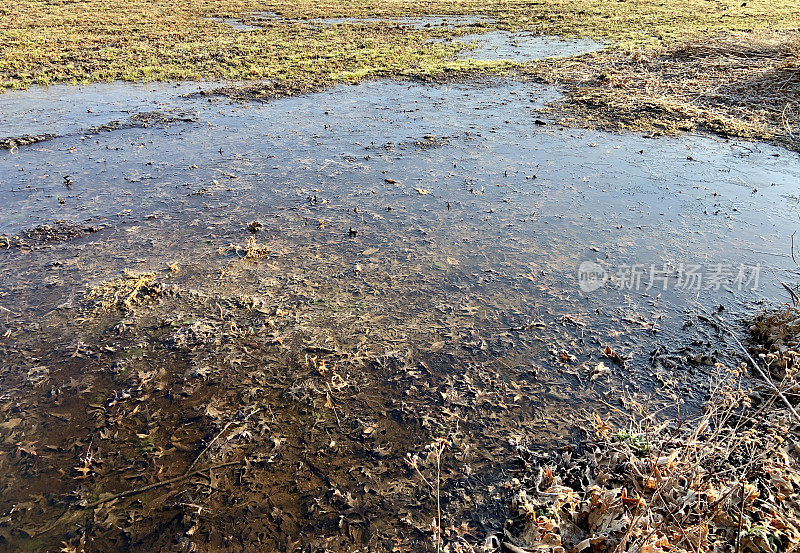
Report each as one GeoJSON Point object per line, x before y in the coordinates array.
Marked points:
{"type": "Point", "coordinates": [735, 84]}
{"type": "Point", "coordinates": [49, 41]}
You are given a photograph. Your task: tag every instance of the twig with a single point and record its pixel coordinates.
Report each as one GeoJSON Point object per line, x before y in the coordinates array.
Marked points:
{"type": "Point", "coordinates": [338, 422]}
{"type": "Point", "coordinates": [220, 433]}
{"type": "Point", "coordinates": [438, 498]}
{"type": "Point", "coordinates": [148, 487]}
{"type": "Point", "coordinates": [795, 298]}
{"type": "Point", "coordinates": [785, 120]}
{"type": "Point", "coordinates": [438, 448]}
{"type": "Point", "coordinates": [741, 517]}
{"type": "Point", "coordinates": [511, 548]}
{"type": "Point", "coordinates": [764, 375]}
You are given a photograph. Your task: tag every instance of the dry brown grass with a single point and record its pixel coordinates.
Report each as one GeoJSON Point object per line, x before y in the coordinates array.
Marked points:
{"type": "Point", "coordinates": [124, 293]}
{"type": "Point", "coordinates": [777, 334]}
{"type": "Point", "coordinates": [725, 479]}
{"type": "Point", "coordinates": [743, 84]}
{"type": "Point", "coordinates": [251, 250]}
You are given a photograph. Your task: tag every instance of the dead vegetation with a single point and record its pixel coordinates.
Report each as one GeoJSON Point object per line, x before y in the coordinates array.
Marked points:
{"type": "Point", "coordinates": [267, 90]}
{"type": "Point", "coordinates": [251, 250]}
{"type": "Point", "coordinates": [723, 479]}
{"type": "Point", "coordinates": [43, 235]}
{"type": "Point", "coordinates": [778, 336]}
{"type": "Point", "coordinates": [12, 142]}
{"type": "Point", "coordinates": [743, 84]}
{"type": "Point", "coordinates": [123, 293]}
{"type": "Point", "coordinates": [146, 119]}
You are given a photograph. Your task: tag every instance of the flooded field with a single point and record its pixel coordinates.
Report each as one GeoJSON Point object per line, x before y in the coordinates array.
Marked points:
{"type": "Point", "coordinates": [216, 312]}
{"type": "Point", "coordinates": [485, 46]}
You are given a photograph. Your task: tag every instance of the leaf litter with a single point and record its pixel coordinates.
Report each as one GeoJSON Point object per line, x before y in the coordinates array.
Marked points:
{"type": "Point", "coordinates": [280, 408]}
{"type": "Point", "coordinates": [723, 478]}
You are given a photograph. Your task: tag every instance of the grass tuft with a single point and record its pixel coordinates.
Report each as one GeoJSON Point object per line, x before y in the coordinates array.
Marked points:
{"type": "Point", "coordinates": [123, 293]}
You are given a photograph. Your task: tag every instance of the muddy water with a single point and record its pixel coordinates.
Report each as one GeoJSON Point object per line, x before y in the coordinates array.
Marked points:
{"type": "Point", "coordinates": [421, 280]}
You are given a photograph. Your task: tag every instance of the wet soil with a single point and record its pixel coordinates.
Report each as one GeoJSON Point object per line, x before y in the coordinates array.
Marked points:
{"type": "Point", "coordinates": [414, 275]}
{"type": "Point", "coordinates": [734, 85]}
{"type": "Point", "coordinates": [144, 120]}
{"type": "Point", "coordinates": [45, 234]}
{"type": "Point", "coordinates": [24, 140]}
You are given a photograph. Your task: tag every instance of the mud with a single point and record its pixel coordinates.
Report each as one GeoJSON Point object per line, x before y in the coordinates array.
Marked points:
{"type": "Point", "coordinates": [24, 140]}
{"type": "Point", "coordinates": [46, 234]}
{"type": "Point", "coordinates": [264, 91]}
{"type": "Point", "coordinates": [413, 275]}
{"type": "Point", "coordinates": [144, 120]}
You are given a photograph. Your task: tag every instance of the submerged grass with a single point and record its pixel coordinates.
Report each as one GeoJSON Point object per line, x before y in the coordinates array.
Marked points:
{"type": "Point", "coordinates": [251, 250]}
{"type": "Point", "coordinates": [124, 293]}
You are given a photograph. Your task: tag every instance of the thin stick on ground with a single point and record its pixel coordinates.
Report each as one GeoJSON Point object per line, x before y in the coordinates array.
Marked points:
{"type": "Point", "coordinates": [220, 433]}
{"type": "Point", "coordinates": [148, 487]}
{"type": "Point", "coordinates": [437, 448]}
{"type": "Point", "coordinates": [764, 375]}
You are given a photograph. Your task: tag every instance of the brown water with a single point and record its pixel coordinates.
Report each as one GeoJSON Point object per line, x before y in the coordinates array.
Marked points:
{"type": "Point", "coordinates": [422, 281]}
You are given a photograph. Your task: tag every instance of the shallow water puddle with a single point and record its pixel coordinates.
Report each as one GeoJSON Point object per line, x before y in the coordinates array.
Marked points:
{"type": "Point", "coordinates": [522, 46]}
{"type": "Point", "coordinates": [234, 23]}
{"type": "Point", "coordinates": [417, 273]}
{"type": "Point", "coordinates": [257, 17]}
{"type": "Point", "coordinates": [440, 21]}
{"type": "Point", "coordinates": [425, 22]}
{"type": "Point", "coordinates": [67, 110]}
